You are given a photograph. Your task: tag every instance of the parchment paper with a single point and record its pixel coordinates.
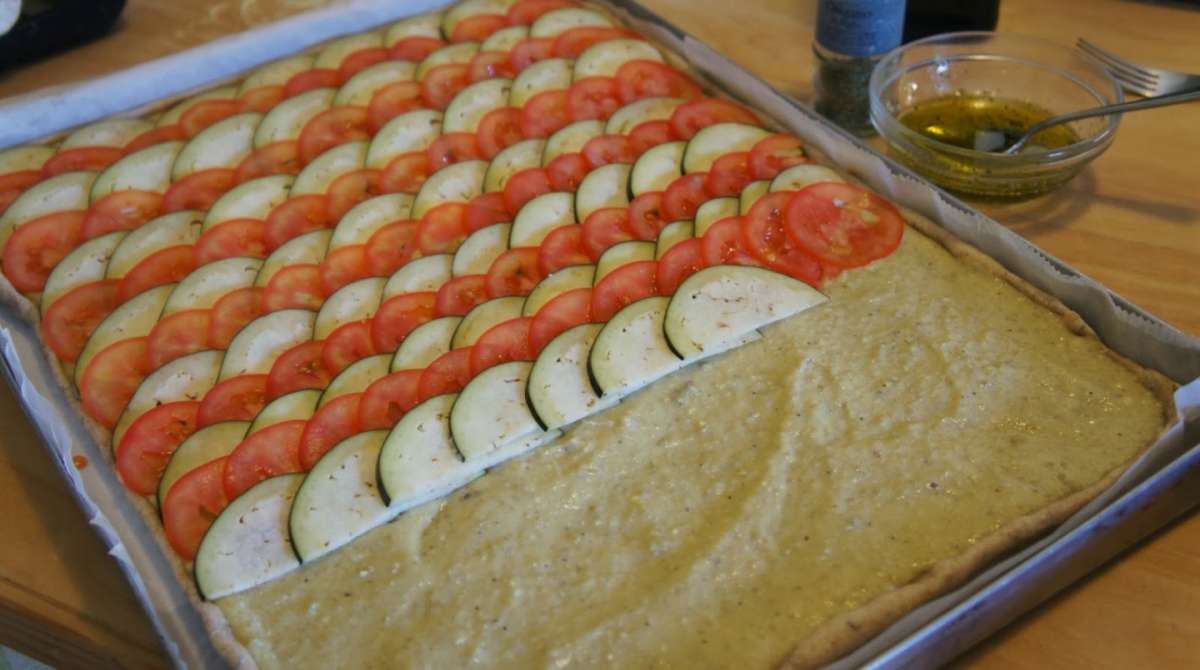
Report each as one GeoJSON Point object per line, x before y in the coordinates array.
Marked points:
{"type": "Point", "coordinates": [1123, 326]}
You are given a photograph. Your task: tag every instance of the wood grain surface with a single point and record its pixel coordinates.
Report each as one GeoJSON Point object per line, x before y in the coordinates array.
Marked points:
{"type": "Point", "coordinates": [1131, 220]}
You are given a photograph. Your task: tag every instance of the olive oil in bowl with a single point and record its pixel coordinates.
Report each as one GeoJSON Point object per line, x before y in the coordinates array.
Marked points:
{"type": "Point", "coordinates": [985, 123]}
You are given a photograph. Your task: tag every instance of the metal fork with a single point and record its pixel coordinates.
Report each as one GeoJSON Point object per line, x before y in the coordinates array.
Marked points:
{"type": "Point", "coordinates": [1139, 79]}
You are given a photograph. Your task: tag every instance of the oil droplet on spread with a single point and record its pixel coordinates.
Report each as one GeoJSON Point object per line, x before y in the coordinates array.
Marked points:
{"type": "Point", "coordinates": [80, 461]}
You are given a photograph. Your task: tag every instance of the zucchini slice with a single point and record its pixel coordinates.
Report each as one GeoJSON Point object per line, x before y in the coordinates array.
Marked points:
{"type": "Point", "coordinates": [712, 211]}
{"type": "Point", "coordinates": [408, 132]}
{"type": "Point", "coordinates": [418, 462]}
{"type": "Point", "coordinates": [541, 215]}
{"type": "Point", "coordinates": [473, 102]}
{"type": "Point", "coordinates": [61, 193]}
{"type": "Point", "coordinates": [605, 58]}
{"type": "Point", "coordinates": [368, 216]}
{"type": "Point", "coordinates": [22, 158]}
{"type": "Point", "coordinates": [620, 254]}
{"type": "Point", "coordinates": [356, 377]}
{"type": "Point", "coordinates": [462, 53]}
{"type": "Point", "coordinates": [332, 54]}
{"type": "Point", "coordinates": [559, 21]}
{"type": "Point", "coordinates": [717, 140]}
{"type": "Point", "coordinates": [287, 119]}
{"type": "Point", "coordinates": [511, 160]}
{"type": "Point", "coordinates": [638, 112]}
{"type": "Point", "coordinates": [427, 273]}
{"type": "Point", "coordinates": [504, 39]}
{"type": "Point", "coordinates": [320, 173]}
{"type": "Point", "coordinates": [294, 406]}
{"type": "Point", "coordinates": [353, 302]}
{"type": "Point", "coordinates": [631, 350]}
{"type": "Point", "coordinates": [359, 89]}
{"type": "Point", "coordinates": [458, 182]}
{"type": "Point", "coordinates": [571, 138]}
{"type": "Point", "coordinates": [671, 234]}
{"type": "Point", "coordinates": [483, 317]}
{"type": "Point", "coordinates": [425, 343]}
{"type": "Point", "coordinates": [308, 248]}
{"type": "Point", "coordinates": [606, 186]}
{"type": "Point", "coordinates": [84, 265]}
{"type": "Point", "coordinates": [185, 378]}
{"type": "Point", "coordinates": [277, 73]}
{"type": "Point", "coordinates": [424, 25]}
{"type": "Point", "coordinates": [108, 133]}
{"type": "Point", "coordinates": [222, 145]}
{"type": "Point", "coordinates": [655, 169]}
{"type": "Point", "coordinates": [206, 444]}
{"type": "Point", "coordinates": [559, 389]}
{"type": "Point", "coordinates": [169, 230]}
{"type": "Point", "coordinates": [254, 349]}
{"type": "Point", "coordinates": [751, 193]}
{"type": "Point", "coordinates": [135, 318]}
{"type": "Point", "coordinates": [481, 248]}
{"type": "Point", "coordinates": [554, 285]}
{"type": "Point", "coordinates": [799, 176]}
{"type": "Point", "coordinates": [491, 413]}
{"type": "Point", "coordinates": [252, 200]}
{"type": "Point", "coordinates": [469, 8]}
{"type": "Point", "coordinates": [207, 284]}
{"type": "Point", "coordinates": [146, 170]}
{"type": "Point", "coordinates": [551, 74]}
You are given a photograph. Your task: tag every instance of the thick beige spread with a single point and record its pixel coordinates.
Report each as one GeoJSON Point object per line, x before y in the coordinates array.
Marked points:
{"type": "Point", "coordinates": [722, 515]}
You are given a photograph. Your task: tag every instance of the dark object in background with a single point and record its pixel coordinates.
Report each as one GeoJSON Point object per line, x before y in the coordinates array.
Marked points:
{"type": "Point", "coordinates": [923, 18]}
{"type": "Point", "coordinates": [49, 26]}
{"type": "Point", "coordinates": [851, 37]}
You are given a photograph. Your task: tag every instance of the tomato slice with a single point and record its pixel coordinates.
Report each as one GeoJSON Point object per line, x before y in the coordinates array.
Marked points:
{"type": "Point", "coordinates": [693, 115]}
{"type": "Point", "coordinates": [191, 506]}
{"type": "Point", "coordinates": [149, 442]}
{"type": "Point", "coordinates": [349, 190]}
{"type": "Point", "coordinates": [441, 83]}
{"type": "Point", "coordinates": [592, 98]}
{"type": "Point", "coordinates": [296, 286]}
{"type": "Point", "coordinates": [680, 262]}
{"type": "Point", "coordinates": [281, 157]}
{"type": "Point", "coordinates": [448, 373]}
{"type": "Point", "coordinates": [774, 154]}
{"type": "Point", "coordinates": [525, 12]}
{"type": "Point", "coordinates": [168, 133]}
{"type": "Point", "coordinates": [627, 284]}
{"type": "Point", "coordinates": [442, 229]}
{"type": "Point", "coordinates": [261, 99]}
{"type": "Point", "coordinates": [81, 159]}
{"type": "Point", "coordinates": [332, 127]}
{"type": "Point", "coordinates": [179, 334]}
{"type": "Point", "coordinates": [490, 65]}
{"type": "Point", "coordinates": [391, 101]}
{"type": "Point", "coordinates": [498, 129]}
{"type": "Point", "coordinates": [69, 322]}
{"type": "Point", "coordinates": [722, 244]}
{"type": "Point", "coordinates": [297, 369]}
{"type": "Point", "coordinates": [111, 378]}
{"type": "Point", "coordinates": [684, 196]}
{"type": "Point", "coordinates": [646, 217]}
{"type": "Point", "coordinates": [334, 422]}
{"type": "Point", "coordinates": [272, 451]}
{"type": "Point", "coordinates": [563, 247]}
{"type": "Point", "coordinates": [486, 209]}
{"type": "Point", "coordinates": [529, 51]}
{"type": "Point", "coordinates": [344, 265]}
{"type": "Point", "coordinates": [231, 313]}
{"type": "Point", "coordinates": [405, 173]}
{"type": "Point", "coordinates": [604, 228]}
{"type": "Point", "coordinates": [348, 343]}
{"type": "Point", "coordinates": [236, 237]}
{"type": "Point", "coordinates": [391, 247]}
{"type": "Point", "coordinates": [842, 224]}
{"type": "Point", "coordinates": [198, 190]}
{"type": "Point", "coordinates": [649, 134]}
{"type": "Point", "coordinates": [36, 246]}
{"type": "Point", "coordinates": [525, 186]}
{"type": "Point", "coordinates": [398, 316]}
{"type": "Point", "coordinates": [205, 113]}
{"type": "Point", "coordinates": [238, 398]}
{"type": "Point", "coordinates": [564, 311]}
{"type": "Point", "coordinates": [571, 43]}
{"type": "Point", "coordinates": [457, 296]}
{"type": "Point", "coordinates": [764, 236]}
{"type": "Point", "coordinates": [388, 399]}
{"type": "Point", "coordinates": [359, 61]}
{"type": "Point", "coordinates": [637, 79]}
{"type": "Point", "coordinates": [729, 174]}
{"type": "Point", "coordinates": [13, 184]}
{"type": "Point", "coordinates": [294, 217]}
{"type": "Point", "coordinates": [566, 171]}
{"type": "Point", "coordinates": [477, 28]}
{"type": "Point", "coordinates": [606, 149]}
{"type": "Point", "coordinates": [504, 342]}
{"type": "Point", "coordinates": [310, 80]}
{"type": "Point", "coordinates": [415, 48]}
{"type": "Point", "coordinates": [452, 148]}
{"type": "Point", "coordinates": [121, 210]}
{"type": "Point", "coordinates": [162, 267]}
{"type": "Point", "coordinates": [544, 114]}
{"type": "Point", "coordinates": [514, 272]}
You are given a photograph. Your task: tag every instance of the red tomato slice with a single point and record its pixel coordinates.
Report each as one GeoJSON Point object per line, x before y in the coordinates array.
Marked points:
{"type": "Point", "coordinates": [649, 134]}
{"type": "Point", "coordinates": [592, 98]}
{"type": "Point", "coordinates": [764, 236]}
{"type": "Point", "coordinates": [391, 247]}
{"type": "Point", "coordinates": [693, 115]}
{"type": "Point", "coordinates": [477, 28]}
{"type": "Point", "coordinates": [332, 127]}
{"type": "Point", "coordinates": [774, 154]}
{"type": "Point", "coordinates": [388, 399]}
{"type": "Point", "coordinates": [238, 398]}
{"type": "Point", "coordinates": [162, 267]}
{"type": "Point", "coordinates": [36, 246]}
{"type": "Point", "coordinates": [525, 186]}
{"type": "Point", "coordinates": [391, 101]}
{"type": "Point", "coordinates": [627, 284]}
{"type": "Point", "coordinates": [525, 12]}
{"type": "Point", "coordinates": [485, 210]}
{"type": "Point", "coordinates": [544, 114]}
{"type": "Point", "coordinates": [198, 190]}
{"type": "Point", "coordinates": [236, 237]}
{"type": "Point", "coordinates": [261, 99]}
{"type": "Point", "coordinates": [334, 422]}
{"type": "Point", "coordinates": [179, 334]}
{"type": "Point", "coordinates": [13, 184]}
{"type": "Point", "coordinates": [310, 80]}
{"type": "Point", "coordinates": [490, 65]}
{"type": "Point", "coordinates": [563, 247]}
{"type": "Point", "coordinates": [646, 217]}
{"type": "Point", "coordinates": [451, 148]}
{"type": "Point", "coordinates": [111, 378]}
{"type": "Point", "coordinates": [571, 43]}
{"type": "Point", "coordinates": [69, 322]}
{"type": "Point", "coordinates": [294, 287]}
{"type": "Point", "coordinates": [351, 189]}
{"type": "Point", "coordinates": [606, 149]}
{"type": "Point", "coordinates": [448, 373]}
{"type": "Point", "coordinates": [149, 442]}
{"type": "Point", "coordinates": [405, 173]}
{"type": "Point", "coordinates": [398, 316]}
{"type": "Point", "coordinates": [604, 228]}
{"type": "Point", "coordinates": [270, 452]}
{"type": "Point", "coordinates": [498, 129]}
{"type": "Point", "coordinates": [504, 342]}
{"type": "Point", "coordinates": [442, 83]}
{"type": "Point", "coordinates": [684, 196]}
{"type": "Point", "coordinates": [564, 311]}
{"type": "Point", "coordinates": [514, 272]}
{"type": "Point", "coordinates": [566, 171]}
{"type": "Point", "coordinates": [81, 159]}
{"type": "Point", "coordinates": [722, 244]}
{"type": "Point", "coordinates": [121, 210]}
{"type": "Point", "coordinates": [168, 133]}
{"type": "Point", "coordinates": [297, 369]}
{"type": "Point", "coordinates": [680, 262]}
{"type": "Point", "coordinates": [415, 48]}
{"type": "Point", "coordinates": [529, 51]}
{"type": "Point", "coordinates": [281, 157]}
{"type": "Point", "coordinates": [205, 113]}
{"type": "Point", "coordinates": [729, 174]}
{"type": "Point", "coordinates": [442, 229]}
{"type": "Point", "coordinates": [344, 265]}
{"type": "Point", "coordinates": [842, 224]}
{"type": "Point", "coordinates": [347, 344]}
{"type": "Point", "coordinates": [637, 79]}
{"type": "Point", "coordinates": [231, 313]}
{"type": "Point", "coordinates": [457, 296]}
{"type": "Point", "coordinates": [359, 61]}
{"type": "Point", "coordinates": [294, 217]}
{"type": "Point", "coordinates": [191, 506]}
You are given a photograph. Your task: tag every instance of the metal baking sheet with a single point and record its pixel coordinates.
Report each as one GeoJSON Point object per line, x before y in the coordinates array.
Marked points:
{"type": "Point", "coordinates": [1156, 489]}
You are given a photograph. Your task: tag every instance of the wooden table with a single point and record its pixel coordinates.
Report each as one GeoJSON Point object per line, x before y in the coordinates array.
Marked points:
{"type": "Point", "coordinates": [1132, 220]}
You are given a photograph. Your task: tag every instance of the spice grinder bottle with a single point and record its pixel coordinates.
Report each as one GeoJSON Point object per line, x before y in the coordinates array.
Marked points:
{"type": "Point", "coordinates": [851, 36]}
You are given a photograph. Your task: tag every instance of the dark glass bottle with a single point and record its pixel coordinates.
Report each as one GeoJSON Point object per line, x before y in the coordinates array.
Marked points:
{"type": "Point", "coordinates": [931, 17]}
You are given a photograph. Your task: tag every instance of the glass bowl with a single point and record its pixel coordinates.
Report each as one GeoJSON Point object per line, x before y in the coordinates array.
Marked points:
{"type": "Point", "coordinates": [1001, 66]}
